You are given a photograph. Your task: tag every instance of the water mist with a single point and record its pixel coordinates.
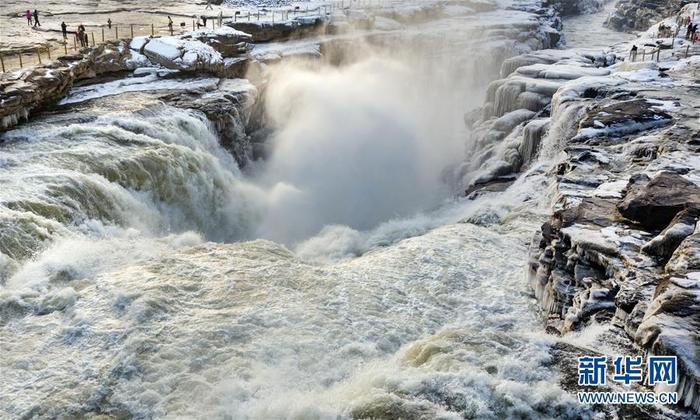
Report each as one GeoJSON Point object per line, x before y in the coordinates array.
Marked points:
{"type": "Point", "coordinates": [356, 145]}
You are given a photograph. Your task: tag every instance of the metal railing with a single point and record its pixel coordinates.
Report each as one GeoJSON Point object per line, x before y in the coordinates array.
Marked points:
{"type": "Point", "coordinates": [650, 54]}
{"type": "Point", "coordinates": [28, 57]}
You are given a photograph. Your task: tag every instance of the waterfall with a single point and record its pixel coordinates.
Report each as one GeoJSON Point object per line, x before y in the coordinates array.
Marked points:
{"type": "Point", "coordinates": [158, 171]}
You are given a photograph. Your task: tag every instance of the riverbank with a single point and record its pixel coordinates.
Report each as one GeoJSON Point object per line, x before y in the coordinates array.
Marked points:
{"type": "Point", "coordinates": [618, 257]}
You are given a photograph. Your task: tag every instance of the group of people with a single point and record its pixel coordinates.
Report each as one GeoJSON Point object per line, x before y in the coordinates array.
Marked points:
{"type": "Point", "coordinates": [665, 31]}
{"type": "Point", "coordinates": [29, 15]}
{"type": "Point", "coordinates": [81, 35]}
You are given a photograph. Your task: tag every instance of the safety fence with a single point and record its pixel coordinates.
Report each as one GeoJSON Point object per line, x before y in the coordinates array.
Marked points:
{"type": "Point", "coordinates": [72, 44]}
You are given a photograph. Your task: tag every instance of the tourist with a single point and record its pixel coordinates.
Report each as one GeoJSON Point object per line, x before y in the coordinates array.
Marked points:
{"type": "Point", "coordinates": [688, 30]}
{"type": "Point", "coordinates": [633, 53]}
{"type": "Point", "coordinates": [85, 36]}
{"type": "Point", "coordinates": [81, 35]}
{"type": "Point", "coordinates": [28, 15]}
{"type": "Point", "coordinates": [64, 30]}
{"type": "Point", "coordinates": [204, 21]}
{"type": "Point", "coordinates": [109, 23]}
{"type": "Point", "coordinates": [36, 18]}
{"type": "Point", "coordinates": [170, 25]}
{"type": "Point", "coordinates": [693, 30]}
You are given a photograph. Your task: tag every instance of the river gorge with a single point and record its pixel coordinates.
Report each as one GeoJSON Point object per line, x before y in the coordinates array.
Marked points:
{"type": "Point", "coordinates": [398, 211]}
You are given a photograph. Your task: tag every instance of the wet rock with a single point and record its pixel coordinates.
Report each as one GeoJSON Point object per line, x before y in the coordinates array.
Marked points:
{"type": "Point", "coordinates": [229, 108]}
{"type": "Point", "coordinates": [25, 91]}
{"type": "Point", "coordinates": [653, 203]}
{"type": "Point", "coordinates": [492, 185]}
{"type": "Point", "coordinates": [298, 27]}
{"type": "Point", "coordinates": [575, 7]}
{"type": "Point", "coordinates": [621, 118]}
{"type": "Point", "coordinates": [586, 304]}
{"type": "Point", "coordinates": [227, 41]}
{"type": "Point", "coordinates": [665, 244]}
{"type": "Point", "coordinates": [671, 326]}
{"type": "Point", "coordinates": [509, 121]}
{"type": "Point", "coordinates": [686, 257]}
{"type": "Point", "coordinates": [636, 15]}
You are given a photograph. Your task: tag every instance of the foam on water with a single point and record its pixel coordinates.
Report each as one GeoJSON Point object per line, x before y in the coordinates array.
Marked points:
{"type": "Point", "coordinates": [420, 315]}
{"type": "Point", "coordinates": [129, 289]}
{"type": "Point", "coordinates": [436, 325]}
{"type": "Point", "coordinates": [157, 171]}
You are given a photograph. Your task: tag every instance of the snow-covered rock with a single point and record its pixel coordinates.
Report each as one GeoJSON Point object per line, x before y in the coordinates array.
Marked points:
{"type": "Point", "coordinates": [622, 247]}
{"type": "Point", "coordinates": [295, 28]}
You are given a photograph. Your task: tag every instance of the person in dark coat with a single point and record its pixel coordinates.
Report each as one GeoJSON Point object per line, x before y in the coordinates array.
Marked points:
{"type": "Point", "coordinates": [36, 18]}
{"type": "Point", "coordinates": [80, 35]}
{"type": "Point", "coordinates": [64, 30]}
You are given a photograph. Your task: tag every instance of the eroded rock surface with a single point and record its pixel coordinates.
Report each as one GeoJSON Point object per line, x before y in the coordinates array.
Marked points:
{"type": "Point", "coordinates": [22, 92]}
{"type": "Point", "coordinates": [636, 15]}
{"type": "Point", "coordinates": [222, 53]}
{"type": "Point", "coordinates": [622, 247]}
{"type": "Point", "coordinates": [621, 251]}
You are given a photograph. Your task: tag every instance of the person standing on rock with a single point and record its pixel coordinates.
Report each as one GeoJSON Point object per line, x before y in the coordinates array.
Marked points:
{"type": "Point", "coordinates": [36, 18]}
{"type": "Point", "coordinates": [109, 23]}
{"type": "Point", "coordinates": [64, 30]}
{"type": "Point", "coordinates": [204, 21]}
{"type": "Point", "coordinates": [633, 53]}
{"type": "Point", "coordinates": [28, 15]}
{"type": "Point", "coordinates": [170, 25]}
{"type": "Point", "coordinates": [80, 36]}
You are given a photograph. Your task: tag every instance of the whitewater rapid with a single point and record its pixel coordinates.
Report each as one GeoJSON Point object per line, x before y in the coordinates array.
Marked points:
{"type": "Point", "coordinates": [132, 307]}
{"type": "Point", "coordinates": [145, 275]}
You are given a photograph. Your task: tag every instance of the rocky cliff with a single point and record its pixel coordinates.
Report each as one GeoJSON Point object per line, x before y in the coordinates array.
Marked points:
{"type": "Point", "coordinates": [621, 250]}
{"type": "Point", "coordinates": [576, 7]}
{"type": "Point", "coordinates": [640, 14]}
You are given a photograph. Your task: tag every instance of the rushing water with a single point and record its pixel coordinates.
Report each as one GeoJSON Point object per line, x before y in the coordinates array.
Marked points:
{"type": "Point", "coordinates": [589, 30]}
{"type": "Point", "coordinates": [135, 282]}
{"type": "Point", "coordinates": [146, 322]}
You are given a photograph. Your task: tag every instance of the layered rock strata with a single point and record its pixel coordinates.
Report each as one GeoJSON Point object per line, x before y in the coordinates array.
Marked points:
{"type": "Point", "coordinates": [222, 53]}
{"type": "Point", "coordinates": [621, 251]}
